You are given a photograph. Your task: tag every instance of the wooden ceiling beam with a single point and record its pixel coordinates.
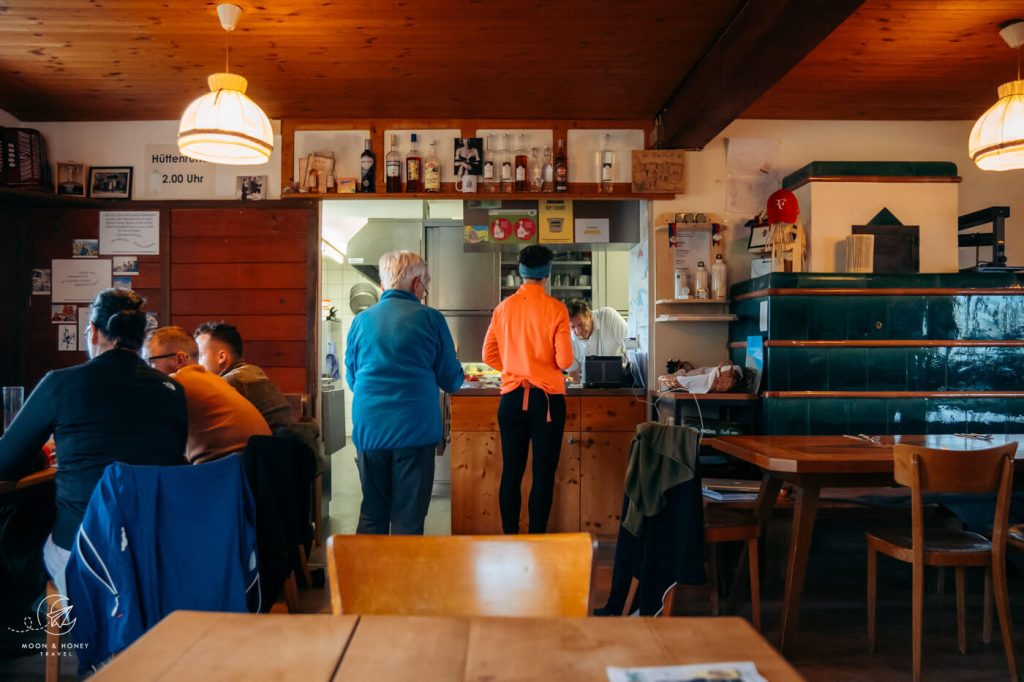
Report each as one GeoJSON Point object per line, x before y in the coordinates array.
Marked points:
{"type": "Point", "coordinates": [764, 40]}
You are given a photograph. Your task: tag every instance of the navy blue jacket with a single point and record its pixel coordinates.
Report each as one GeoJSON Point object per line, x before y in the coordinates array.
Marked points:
{"type": "Point", "coordinates": [155, 540]}
{"type": "Point", "coordinates": [113, 408]}
{"type": "Point", "coordinates": [398, 353]}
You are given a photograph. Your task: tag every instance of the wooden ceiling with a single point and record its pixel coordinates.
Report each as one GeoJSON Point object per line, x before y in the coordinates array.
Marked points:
{"type": "Point", "coordinates": [147, 59]}
{"type": "Point", "coordinates": [708, 61]}
{"type": "Point", "coordinates": [901, 60]}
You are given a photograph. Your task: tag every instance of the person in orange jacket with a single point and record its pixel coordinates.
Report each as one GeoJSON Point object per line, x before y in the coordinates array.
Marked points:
{"type": "Point", "coordinates": [528, 340]}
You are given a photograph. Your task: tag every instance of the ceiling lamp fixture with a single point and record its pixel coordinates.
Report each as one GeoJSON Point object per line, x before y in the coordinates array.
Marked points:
{"type": "Point", "coordinates": [224, 125]}
{"type": "Point", "coordinates": [997, 139]}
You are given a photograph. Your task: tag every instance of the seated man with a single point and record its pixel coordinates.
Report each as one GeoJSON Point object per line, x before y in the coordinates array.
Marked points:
{"type": "Point", "coordinates": [220, 421]}
{"type": "Point", "coordinates": [220, 352]}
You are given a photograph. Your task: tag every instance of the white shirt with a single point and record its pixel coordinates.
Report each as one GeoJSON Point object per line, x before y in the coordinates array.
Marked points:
{"type": "Point", "coordinates": [606, 338]}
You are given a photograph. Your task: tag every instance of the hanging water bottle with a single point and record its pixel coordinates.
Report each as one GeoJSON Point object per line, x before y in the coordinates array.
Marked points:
{"type": "Point", "coordinates": [718, 278]}
{"type": "Point", "coordinates": [700, 280]}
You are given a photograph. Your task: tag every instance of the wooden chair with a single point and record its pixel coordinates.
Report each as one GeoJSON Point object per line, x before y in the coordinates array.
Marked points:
{"type": "Point", "coordinates": [930, 470]}
{"type": "Point", "coordinates": [725, 524]}
{"type": "Point", "coordinates": [461, 575]}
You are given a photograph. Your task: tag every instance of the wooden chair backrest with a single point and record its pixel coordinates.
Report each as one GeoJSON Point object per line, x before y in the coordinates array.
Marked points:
{"type": "Point", "coordinates": [461, 575]}
{"type": "Point", "coordinates": [952, 471]}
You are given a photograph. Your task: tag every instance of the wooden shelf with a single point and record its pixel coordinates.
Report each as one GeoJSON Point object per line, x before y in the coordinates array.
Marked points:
{"type": "Point", "coordinates": [720, 397]}
{"type": "Point", "coordinates": [692, 301]}
{"type": "Point", "coordinates": [480, 196]}
{"type": "Point", "coordinates": [723, 317]}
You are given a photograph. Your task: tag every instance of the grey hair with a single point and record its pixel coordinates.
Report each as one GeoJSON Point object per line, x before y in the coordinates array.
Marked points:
{"type": "Point", "coordinates": [399, 268]}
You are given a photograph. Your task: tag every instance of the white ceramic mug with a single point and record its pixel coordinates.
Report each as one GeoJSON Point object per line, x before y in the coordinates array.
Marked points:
{"type": "Point", "coordinates": [466, 183]}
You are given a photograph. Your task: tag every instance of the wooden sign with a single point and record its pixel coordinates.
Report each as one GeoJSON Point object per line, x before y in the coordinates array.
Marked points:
{"type": "Point", "coordinates": [659, 170]}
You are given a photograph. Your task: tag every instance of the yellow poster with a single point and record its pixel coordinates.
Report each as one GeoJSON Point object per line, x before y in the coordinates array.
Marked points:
{"type": "Point", "coordinates": [556, 221]}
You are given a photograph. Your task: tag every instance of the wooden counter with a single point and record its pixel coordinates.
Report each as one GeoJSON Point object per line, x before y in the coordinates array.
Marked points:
{"type": "Point", "coordinates": [599, 426]}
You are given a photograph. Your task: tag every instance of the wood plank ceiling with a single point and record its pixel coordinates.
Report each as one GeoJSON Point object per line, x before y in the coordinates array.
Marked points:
{"type": "Point", "coordinates": [901, 60]}
{"type": "Point", "coordinates": [147, 59]}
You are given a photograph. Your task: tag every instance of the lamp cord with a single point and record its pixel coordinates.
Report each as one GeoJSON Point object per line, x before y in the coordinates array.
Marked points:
{"type": "Point", "coordinates": [227, 52]}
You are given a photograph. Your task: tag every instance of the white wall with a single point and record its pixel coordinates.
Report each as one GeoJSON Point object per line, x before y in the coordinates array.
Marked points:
{"type": "Point", "coordinates": [8, 120]}
{"type": "Point", "coordinates": [123, 143]}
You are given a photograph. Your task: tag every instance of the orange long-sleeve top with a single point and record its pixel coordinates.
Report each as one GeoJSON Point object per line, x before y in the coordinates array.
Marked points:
{"type": "Point", "coordinates": [528, 340]}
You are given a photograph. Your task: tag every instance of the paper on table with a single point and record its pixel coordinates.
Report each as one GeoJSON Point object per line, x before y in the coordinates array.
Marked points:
{"type": "Point", "coordinates": [720, 672]}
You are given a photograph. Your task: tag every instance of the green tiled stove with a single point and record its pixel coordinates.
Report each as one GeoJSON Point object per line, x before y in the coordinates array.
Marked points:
{"type": "Point", "coordinates": [886, 354]}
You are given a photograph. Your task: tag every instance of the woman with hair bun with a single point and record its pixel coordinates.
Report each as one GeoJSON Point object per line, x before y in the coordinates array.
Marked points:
{"type": "Point", "coordinates": [111, 408]}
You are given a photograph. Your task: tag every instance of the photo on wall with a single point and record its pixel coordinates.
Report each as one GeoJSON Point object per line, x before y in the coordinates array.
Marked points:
{"type": "Point", "coordinates": [469, 156]}
{"type": "Point", "coordinates": [63, 313]}
{"type": "Point", "coordinates": [126, 265]}
{"type": "Point", "coordinates": [67, 337]}
{"type": "Point", "coordinates": [85, 248]}
{"type": "Point", "coordinates": [71, 179]}
{"type": "Point", "coordinates": [122, 282]}
{"type": "Point", "coordinates": [110, 182]}
{"type": "Point", "coordinates": [251, 187]}
{"type": "Point", "coordinates": [41, 281]}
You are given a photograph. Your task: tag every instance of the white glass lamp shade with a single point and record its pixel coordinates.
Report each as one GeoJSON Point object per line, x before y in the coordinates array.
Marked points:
{"type": "Point", "coordinates": [997, 139]}
{"type": "Point", "coordinates": [225, 126]}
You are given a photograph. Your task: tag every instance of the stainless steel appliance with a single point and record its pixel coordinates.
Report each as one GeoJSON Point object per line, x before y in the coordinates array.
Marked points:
{"type": "Point", "coordinates": [379, 236]}
{"type": "Point", "coordinates": [463, 285]}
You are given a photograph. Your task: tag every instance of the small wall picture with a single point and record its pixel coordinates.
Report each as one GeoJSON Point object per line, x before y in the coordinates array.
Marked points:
{"type": "Point", "coordinates": [126, 265]}
{"type": "Point", "coordinates": [85, 248]}
{"type": "Point", "coordinates": [151, 323]}
{"type": "Point", "coordinates": [121, 282]}
{"type": "Point", "coordinates": [63, 313]}
{"type": "Point", "coordinates": [41, 281]}
{"type": "Point", "coordinates": [659, 170]}
{"type": "Point", "coordinates": [71, 179]}
{"type": "Point", "coordinates": [110, 182]}
{"type": "Point", "coordinates": [251, 187]}
{"type": "Point", "coordinates": [469, 156]}
{"type": "Point", "coordinates": [67, 337]}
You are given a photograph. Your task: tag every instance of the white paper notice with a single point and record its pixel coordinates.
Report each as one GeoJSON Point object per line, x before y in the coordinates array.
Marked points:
{"type": "Point", "coordinates": [748, 194]}
{"type": "Point", "coordinates": [732, 671]}
{"type": "Point", "coordinates": [172, 175]}
{"type": "Point", "coordinates": [79, 280]}
{"type": "Point", "coordinates": [592, 230]}
{"type": "Point", "coordinates": [129, 233]}
{"type": "Point", "coordinates": [750, 155]}
{"type": "Point", "coordinates": [763, 309]}
{"type": "Point", "coordinates": [84, 316]}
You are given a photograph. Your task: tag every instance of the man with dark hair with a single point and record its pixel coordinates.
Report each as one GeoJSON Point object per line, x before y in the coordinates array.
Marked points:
{"type": "Point", "coordinates": [220, 352]}
{"type": "Point", "coordinates": [597, 332]}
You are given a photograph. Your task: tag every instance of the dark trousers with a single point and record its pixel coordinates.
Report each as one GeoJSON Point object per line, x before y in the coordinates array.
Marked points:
{"type": "Point", "coordinates": [396, 490]}
{"type": "Point", "coordinates": [519, 430]}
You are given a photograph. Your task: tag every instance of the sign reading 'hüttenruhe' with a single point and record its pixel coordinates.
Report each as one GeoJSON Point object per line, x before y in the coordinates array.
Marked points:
{"type": "Point", "coordinates": [172, 175]}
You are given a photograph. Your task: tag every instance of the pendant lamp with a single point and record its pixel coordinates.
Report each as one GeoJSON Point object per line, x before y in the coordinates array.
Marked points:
{"type": "Point", "coordinates": [225, 126]}
{"type": "Point", "coordinates": [997, 139]}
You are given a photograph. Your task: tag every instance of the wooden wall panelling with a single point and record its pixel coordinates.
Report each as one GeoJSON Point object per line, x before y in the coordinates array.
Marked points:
{"type": "Point", "coordinates": [603, 459]}
{"type": "Point", "coordinates": [612, 413]}
{"type": "Point", "coordinates": [476, 475]}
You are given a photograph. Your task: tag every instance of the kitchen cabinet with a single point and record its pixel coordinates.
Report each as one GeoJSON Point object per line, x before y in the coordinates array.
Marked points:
{"type": "Point", "coordinates": [589, 481]}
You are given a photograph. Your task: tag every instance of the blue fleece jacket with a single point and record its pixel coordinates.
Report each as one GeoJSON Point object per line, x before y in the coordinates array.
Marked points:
{"type": "Point", "coordinates": [398, 353]}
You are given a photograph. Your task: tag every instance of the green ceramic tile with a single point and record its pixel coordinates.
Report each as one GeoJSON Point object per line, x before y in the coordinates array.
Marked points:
{"type": "Point", "coordinates": [785, 416]}
{"type": "Point", "coordinates": [945, 415]}
{"type": "Point", "coordinates": [808, 369]}
{"type": "Point", "coordinates": [1013, 409]}
{"type": "Point", "coordinates": [868, 415]}
{"type": "Point", "coordinates": [827, 318]}
{"type": "Point", "coordinates": [788, 317]}
{"type": "Point", "coordinates": [908, 317]}
{"type": "Point", "coordinates": [984, 317]}
{"type": "Point", "coordinates": [942, 318]}
{"type": "Point", "coordinates": [968, 369]}
{"type": "Point", "coordinates": [887, 369]}
{"type": "Point", "coordinates": [986, 415]}
{"type": "Point", "coordinates": [1005, 368]}
{"type": "Point", "coordinates": [776, 369]}
{"type": "Point", "coordinates": [847, 369]}
{"type": "Point", "coordinates": [828, 416]}
{"type": "Point", "coordinates": [926, 369]}
{"type": "Point", "coordinates": [907, 415]}
{"type": "Point", "coordinates": [1013, 317]}
{"type": "Point", "coordinates": [867, 317]}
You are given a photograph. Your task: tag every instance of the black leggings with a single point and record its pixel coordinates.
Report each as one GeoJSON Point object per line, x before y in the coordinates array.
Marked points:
{"type": "Point", "coordinates": [518, 430]}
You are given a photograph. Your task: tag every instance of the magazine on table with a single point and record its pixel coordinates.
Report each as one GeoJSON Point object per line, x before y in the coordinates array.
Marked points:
{"type": "Point", "coordinates": [725, 489]}
{"type": "Point", "coordinates": [744, 671]}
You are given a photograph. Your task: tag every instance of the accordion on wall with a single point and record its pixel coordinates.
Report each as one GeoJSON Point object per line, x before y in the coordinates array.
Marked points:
{"type": "Point", "coordinates": [24, 159]}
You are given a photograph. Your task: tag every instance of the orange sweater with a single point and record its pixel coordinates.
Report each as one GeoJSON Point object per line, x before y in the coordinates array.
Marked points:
{"type": "Point", "coordinates": [528, 340]}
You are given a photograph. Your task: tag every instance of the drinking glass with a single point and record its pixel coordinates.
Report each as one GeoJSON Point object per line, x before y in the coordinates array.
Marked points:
{"type": "Point", "coordinates": [14, 396]}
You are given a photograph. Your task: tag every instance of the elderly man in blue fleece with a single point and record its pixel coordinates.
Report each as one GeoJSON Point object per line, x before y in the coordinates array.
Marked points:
{"type": "Point", "coordinates": [398, 353]}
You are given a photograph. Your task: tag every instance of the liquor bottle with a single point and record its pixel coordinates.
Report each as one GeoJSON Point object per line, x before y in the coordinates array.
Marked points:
{"type": "Point", "coordinates": [432, 170]}
{"type": "Point", "coordinates": [368, 164]}
{"type": "Point", "coordinates": [536, 171]}
{"type": "Point", "coordinates": [520, 160]}
{"type": "Point", "coordinates": [413, 169]}
{"type": "Point", "coordinates": [607, 177]}
{"type": "Point", "coordinates": [719, 272]}
{"type": "Point", "coordinates": [313, 185]}
{"type": "Point", "coordinates": [508, 181]}
{"type": "Point", "coordinates": [490, 178]}
{"type": "Point", "coordinates": [548, 172]}
{"type": "Point", "coordinates": [561, 169]}
{"type": "Point", "coordinates": [393, 166]}
{"type": "Point", "coordinates": [700, 280]}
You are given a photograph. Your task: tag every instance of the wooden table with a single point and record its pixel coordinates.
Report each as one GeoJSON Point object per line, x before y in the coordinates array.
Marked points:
{"type": "Point", "coordinates": [36, 478]}
{"type": "Point", "coordinates": [220, 646]}
{"type": "Point", "coordinates": [811, 463]}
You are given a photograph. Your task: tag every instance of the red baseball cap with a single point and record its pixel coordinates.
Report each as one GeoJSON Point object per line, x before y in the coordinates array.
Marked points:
{"type": "Point", "coordinates": [782, 207]}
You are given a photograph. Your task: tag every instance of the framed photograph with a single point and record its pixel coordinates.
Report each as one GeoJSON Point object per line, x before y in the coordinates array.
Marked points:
{"type": "Point", "coordinates": [110, 182]}
{"type": "Point", "coordinates": [67, 337]}
{"type": "Point", "coordinates": [63, 313]}
{"type": "Point", "coordinates": [125, 265]}
{"type": "Point", "coordinates": [41, 281]}
{"type": "Point", "coordinates": [469, 156]}
{"type": "Point", "coordinates": [659, 170]}
{"type": "Point", "coordinates": [71, 179]}
{"type": "Point", "coordinates": [760, 235]}
{"type": "Point", "coordinates": [85, 248]}
{"type": "Point", "coordinates": [251, 187]}
{"type": "Point", "coordinates": [121, 282]}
